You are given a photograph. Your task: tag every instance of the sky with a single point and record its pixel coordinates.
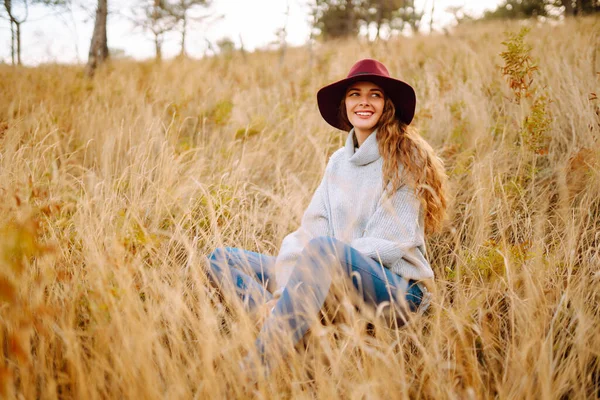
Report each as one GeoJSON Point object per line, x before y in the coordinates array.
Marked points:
{"type": "Point", "coordinates": [48, 36]}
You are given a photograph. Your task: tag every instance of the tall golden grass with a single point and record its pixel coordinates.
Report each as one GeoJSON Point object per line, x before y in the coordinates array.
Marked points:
{"type": "Point", "coordinates": [113, 191]}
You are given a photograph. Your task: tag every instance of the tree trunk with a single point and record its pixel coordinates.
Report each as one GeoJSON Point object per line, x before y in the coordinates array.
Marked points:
{"type": "Point", "coordinates": [350, 18]}
{"type": "Point", "coordinates": [431, 16]}
{"type": "Point", "coordinates": [413, 19]}
{"type": "Point", "coordinates": [579, 10]}
{"type": "Point", "coordinates": [242, 48]}
{"type": "Point", "coordinates": [99, 46]}
{"type": "Point", "coordinates": [12, 42]}
{"type": "Point", "coordinates": [158, 46]}
{"type": "Point", "coordinates": [15, 30]}
{"type": "Point", "coordinates": [8, 7]}
{"type": "Point", "coordinates": [183, 33]}
{"type": "Point", "coordinates": [18, 24]}
{"type": "Point", "coordinates": [379, 21]}
{"type": "Point", "coordinates": [569, 10]}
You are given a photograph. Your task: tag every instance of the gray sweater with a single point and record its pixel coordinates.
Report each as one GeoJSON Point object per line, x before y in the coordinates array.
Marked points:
{"type": "Point", "coordinates": [349, 205]}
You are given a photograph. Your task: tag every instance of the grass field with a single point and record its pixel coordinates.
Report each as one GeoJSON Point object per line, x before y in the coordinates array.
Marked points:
{"type": "Point", "coordinates": [113, 190]}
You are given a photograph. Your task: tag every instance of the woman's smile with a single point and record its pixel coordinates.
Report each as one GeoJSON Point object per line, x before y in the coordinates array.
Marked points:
{"type": "Point", "coordinates": [364, 107]}
{"type": "Point", "coordinates": [364, 114]}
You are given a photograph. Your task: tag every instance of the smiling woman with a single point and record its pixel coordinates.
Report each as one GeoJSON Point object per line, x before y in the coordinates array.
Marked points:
{"type": "Point", "coordinates": [364, 106]}
{"type": "Point", "coordinates": [364, 228]}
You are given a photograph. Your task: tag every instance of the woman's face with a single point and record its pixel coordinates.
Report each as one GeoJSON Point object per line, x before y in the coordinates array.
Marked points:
{"type": "Point", "coordinates": [364, 106]}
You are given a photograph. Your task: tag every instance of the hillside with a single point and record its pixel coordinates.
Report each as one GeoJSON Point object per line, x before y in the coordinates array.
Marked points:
{"type": "Point", "coordinates": [114, 189]}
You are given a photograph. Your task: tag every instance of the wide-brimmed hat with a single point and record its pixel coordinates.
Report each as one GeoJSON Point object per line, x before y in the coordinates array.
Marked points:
{"type": "Point", "coordinates": [402, 94]}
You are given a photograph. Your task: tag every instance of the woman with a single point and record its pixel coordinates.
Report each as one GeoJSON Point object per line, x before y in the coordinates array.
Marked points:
{"type": "Point", "coordinates": [367, 219]}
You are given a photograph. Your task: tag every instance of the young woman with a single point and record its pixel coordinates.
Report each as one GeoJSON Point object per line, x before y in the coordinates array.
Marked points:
{"type": "Point", "coordinates": [366, 221]}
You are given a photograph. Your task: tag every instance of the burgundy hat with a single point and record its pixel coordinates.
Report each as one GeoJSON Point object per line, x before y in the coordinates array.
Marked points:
{"type": "Point", "coordinates": [402, 94]}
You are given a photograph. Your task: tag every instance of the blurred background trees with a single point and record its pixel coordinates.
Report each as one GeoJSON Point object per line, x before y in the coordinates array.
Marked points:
{"type": "Point", "coordinates": [17, 12]}
{"type": "Point", "coordinates": [155, 17]}
{"type": "Point", "coordinates": [331, 19]}
{"type": "Point", "coordinates": [336, 18]}
{"type": "Point", "coordinates": [159, 17]}
{"type": "Point", "coordinates": [181, 10]}
{"type": "Point", "coordinates": [16, 18]}
{"type": "Point", "coordinates": [342, 18]}
{"type": "Point", "coordinates": [577, 7]}
{"type": "Point", "coordinates": [515, 9]}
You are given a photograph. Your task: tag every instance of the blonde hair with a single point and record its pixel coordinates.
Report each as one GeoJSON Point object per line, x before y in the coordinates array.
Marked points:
{"type": "Point", "coordinates": [422, 169]}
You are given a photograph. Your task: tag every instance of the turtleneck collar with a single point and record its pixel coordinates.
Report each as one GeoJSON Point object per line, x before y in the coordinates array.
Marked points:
{"type": "Point", "coordinates": [366, 153]}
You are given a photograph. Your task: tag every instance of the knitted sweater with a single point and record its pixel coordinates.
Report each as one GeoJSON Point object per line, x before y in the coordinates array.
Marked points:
{"type": "Point", "coordinates": [350, 206]}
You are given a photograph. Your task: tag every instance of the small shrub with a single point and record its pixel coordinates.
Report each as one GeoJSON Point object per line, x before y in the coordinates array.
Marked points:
{"type": "Point", "coordinates": [534, 131]}
{"type": "Point", "coordinates": [519, 67]}
{"type": "Point", "coordinates": [220, 113]}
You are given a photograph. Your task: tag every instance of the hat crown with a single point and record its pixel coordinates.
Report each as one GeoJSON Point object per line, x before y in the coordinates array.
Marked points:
{"type": "Point", "coordinates": [368, 66]}
{"type": "Point", "coordinates": [400, 93]}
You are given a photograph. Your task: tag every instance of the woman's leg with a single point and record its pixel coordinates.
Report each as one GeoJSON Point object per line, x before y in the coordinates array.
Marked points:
{"type": "Point", "coordinates": [244, 272]}
{"type": "Point", "coordinates": [309, 285]}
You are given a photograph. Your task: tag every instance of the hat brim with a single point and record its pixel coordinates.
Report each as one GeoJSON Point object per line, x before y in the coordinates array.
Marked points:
{"type": "Point", "coordinates": [401, 93]}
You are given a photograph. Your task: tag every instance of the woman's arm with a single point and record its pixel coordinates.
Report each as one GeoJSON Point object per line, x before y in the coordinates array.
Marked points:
{"type": "Point", "coordinates": [394, 236]}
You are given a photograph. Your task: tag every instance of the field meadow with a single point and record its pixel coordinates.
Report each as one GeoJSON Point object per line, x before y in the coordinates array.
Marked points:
{"type": "Point", "coordinates": [113, 191]}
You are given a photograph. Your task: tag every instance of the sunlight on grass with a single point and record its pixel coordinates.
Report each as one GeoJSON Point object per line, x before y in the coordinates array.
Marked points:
{"type": "Point", "coordinates": [114, 190]}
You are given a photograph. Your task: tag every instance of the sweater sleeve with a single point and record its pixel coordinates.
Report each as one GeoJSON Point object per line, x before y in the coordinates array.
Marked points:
{"type": "Point", "coordinates": [394, 236]}
{"type": "Point", "coordinates": [315, 223]}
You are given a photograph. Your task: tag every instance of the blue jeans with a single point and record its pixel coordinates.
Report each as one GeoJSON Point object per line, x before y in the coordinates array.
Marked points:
{"type": "Point", "coordinates": [248, 273]}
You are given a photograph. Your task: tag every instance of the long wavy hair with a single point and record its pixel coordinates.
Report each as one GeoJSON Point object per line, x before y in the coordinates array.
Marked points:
{"type": "Point", "coordinates": [401, 146]}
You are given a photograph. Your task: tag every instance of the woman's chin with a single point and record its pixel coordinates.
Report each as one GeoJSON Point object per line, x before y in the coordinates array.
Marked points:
{"type": "Point", "coordinates": [364, 128]}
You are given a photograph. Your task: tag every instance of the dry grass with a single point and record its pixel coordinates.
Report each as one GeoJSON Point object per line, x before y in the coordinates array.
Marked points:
{"type": "Point", "coordinates": [113, 191]}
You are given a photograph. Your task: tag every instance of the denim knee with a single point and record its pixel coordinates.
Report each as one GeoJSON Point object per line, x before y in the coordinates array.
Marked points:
{"type": "Point", "coordinates": [221, 253]}
{"type": "Point", "coordinates": [322, 243]}
{"type": "Point", "coordinates": [320, 250]}
{"type": "Point", "coordinates": [218, 256]}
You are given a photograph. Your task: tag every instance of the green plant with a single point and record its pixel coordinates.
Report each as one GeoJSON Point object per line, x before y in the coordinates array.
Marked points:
{"type": "Point", "coordinates": [520, 70]}
{"type": "Point", "coordinates": [220, 113]}
{"type": "Point", "coordinates": [519, 67]}
{"type": "Point", "coordinates": [536, 125]}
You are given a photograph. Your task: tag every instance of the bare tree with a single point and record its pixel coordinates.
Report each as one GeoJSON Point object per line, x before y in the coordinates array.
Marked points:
{"type": "Point", "coordinates": [15, 28]}
{"type": "Point", "coordinates": [18, 12]}
{"type": "Point", "coordinates": [242, 48]}
{"type": "Point", "coordinates": [99, 45]}
{"type": "Point", "coordinates": [156, 17]}
{"type": "Point", "coordinates": [282, 35]}
{"type": "Point", "coordinates": [180, 10]}
{"type": "Point", "coordinates": [431, 16]}
{"type": "Point", "coordinates": [12, 35]}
